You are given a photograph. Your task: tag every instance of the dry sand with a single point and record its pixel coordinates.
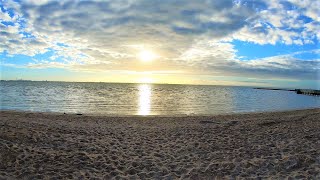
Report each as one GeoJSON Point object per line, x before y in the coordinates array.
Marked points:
{"type": "Point", "coordinates": [59, 146]}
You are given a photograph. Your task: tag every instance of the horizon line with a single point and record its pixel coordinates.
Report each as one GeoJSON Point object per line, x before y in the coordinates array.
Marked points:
{"type": "Point", "coordinates": [259, 87]}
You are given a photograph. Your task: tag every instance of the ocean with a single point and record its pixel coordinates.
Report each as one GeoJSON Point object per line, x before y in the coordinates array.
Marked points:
{"type": "Point", "coordinates": [145, 99]}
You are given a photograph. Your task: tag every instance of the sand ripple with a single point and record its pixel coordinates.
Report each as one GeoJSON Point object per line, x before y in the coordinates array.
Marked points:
{"type": "Point", "coordinates": [55, 146]}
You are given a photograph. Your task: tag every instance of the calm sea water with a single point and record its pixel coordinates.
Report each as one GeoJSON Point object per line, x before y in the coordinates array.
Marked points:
{"type": "Point", "coordinates": [145, 99]}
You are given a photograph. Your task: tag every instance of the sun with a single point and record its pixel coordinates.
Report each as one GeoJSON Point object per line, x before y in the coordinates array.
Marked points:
{"type": "Point", "coordinates": [146, 80]}
{"type": "Point", "coordinates": [147, 56]}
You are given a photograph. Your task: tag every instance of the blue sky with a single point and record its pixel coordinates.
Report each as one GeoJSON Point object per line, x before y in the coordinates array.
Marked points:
{"type": "Point", "coordinates": [272, 43]}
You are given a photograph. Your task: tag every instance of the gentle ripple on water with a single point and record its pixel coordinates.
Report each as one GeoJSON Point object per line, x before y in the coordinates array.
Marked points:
{"type": "Point", "coordinates": [145, 99]}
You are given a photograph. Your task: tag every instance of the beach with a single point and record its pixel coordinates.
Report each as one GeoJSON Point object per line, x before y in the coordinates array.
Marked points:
{"type": "Point", "coordinates": [273, 145]}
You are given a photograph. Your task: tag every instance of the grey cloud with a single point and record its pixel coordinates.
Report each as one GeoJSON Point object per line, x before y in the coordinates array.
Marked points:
{"type": "Point", "coordinates": [80, 16]}
{"type": "Point", "coordinates": [118, 21]}
{"type": "Point", "coordinates": [220, 59]}
{"type": "Point", "coordinates": [286, 67]}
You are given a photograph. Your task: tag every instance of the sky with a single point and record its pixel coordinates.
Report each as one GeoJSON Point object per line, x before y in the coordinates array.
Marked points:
{"type": "Point", "coordinates": [265, 43]}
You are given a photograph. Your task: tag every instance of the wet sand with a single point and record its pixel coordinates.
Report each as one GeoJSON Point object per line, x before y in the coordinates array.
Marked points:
{"type": "Point", "coordinates": [63, 146]}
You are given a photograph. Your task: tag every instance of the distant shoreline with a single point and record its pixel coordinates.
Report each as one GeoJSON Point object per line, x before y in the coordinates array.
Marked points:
{"type": "Point", "coordinates": [155, 116]}
{"type": "Point", "coordinates": [276, 89]}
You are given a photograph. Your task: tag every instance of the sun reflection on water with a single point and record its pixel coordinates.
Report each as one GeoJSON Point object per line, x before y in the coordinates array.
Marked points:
{"type": "Point", "coordinates": [144, 99]}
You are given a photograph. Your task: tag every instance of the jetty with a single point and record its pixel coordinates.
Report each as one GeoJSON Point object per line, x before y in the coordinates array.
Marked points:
{"type": "Point", "coordinates": [308, 92]}
{"type": "Point", "coordinates": [298, 91]}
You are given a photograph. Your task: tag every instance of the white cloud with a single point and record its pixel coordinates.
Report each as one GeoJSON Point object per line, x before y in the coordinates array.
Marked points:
{"type": "Point", "coordinates": [4, 16]}
{"type": "Point", "coordinates": [102, 35]}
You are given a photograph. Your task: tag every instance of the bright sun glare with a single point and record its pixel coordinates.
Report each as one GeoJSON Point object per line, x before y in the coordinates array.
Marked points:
{"type": "Point", "coordinates": [147, 56]}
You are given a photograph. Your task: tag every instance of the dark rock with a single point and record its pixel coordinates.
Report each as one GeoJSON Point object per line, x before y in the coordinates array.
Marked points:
{"type": "Point", "coordinates": [270, 123]}
{"type": "Point", "coordinates": [206, 122]}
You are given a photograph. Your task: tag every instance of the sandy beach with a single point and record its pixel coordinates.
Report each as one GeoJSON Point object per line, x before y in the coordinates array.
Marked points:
{"type": "Point", "coordinates": [70, 146]}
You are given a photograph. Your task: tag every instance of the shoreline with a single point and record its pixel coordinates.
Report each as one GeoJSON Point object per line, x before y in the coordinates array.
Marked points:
{"type": "Point", "coordinates": [242, 145]}
{"type": "Point", "coordinates": [156, 115]}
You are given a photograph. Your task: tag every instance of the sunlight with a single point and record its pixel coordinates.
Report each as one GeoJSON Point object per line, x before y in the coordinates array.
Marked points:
{"type": "Point", "coordinates": [146, 80]}
{"type": "Point", "coordinates": [144, 99]}
{"type": "Point", "coordinates": [147, 56]}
